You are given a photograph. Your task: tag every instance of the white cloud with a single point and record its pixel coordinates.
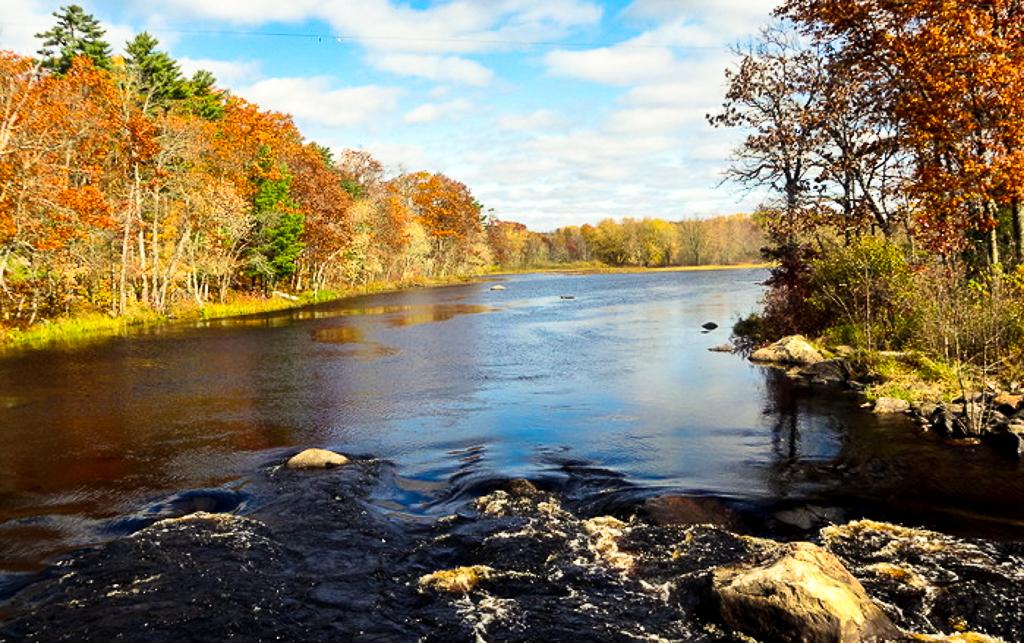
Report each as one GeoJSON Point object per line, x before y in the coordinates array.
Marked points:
{"type": "Point", "coordinates": [20, 20]}
{"type": "Point", "coordinates": [538, 120]}
{"type": "Point", "coordinates": [725, 20]}
{"type": "Point", "coordinates": [447, 69]}
{"type": "Point", "coordinates": [248, 12]}
{"type": "Point", "coordinates": [450, 27]}
{"type": "Point", "coordinates": [400, 157]}
{"type": "Point", "coordinates": [619, 65]}
{"type": "Point", "coordinates": [313, 100]}
{"type": "Point", "coordinates": [228, 72]}
{"type": "Point", "coordinates": [430, 112]}
{"type": "Point", "coordinates": [653, 120]}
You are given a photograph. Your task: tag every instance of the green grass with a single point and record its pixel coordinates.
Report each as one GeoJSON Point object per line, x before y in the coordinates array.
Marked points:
{"type": "Point", "coordinates": [908, 376]}
{"type": "Point", "coordinates": [88, 327]}
{"type": "Point", "coordinates": [77, 329]}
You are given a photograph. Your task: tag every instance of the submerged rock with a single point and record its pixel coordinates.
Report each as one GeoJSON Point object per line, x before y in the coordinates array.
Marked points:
{"type": "Point", "coordinates": [794, 350]}
{"type": "Point", "coordinates": [802, 594]}
{"type": "Point", "coordinates": [1009, 443]}
{"type": "Point", "coordinates": [689, 510]}
{"type": "Point", "coordinates": [316, 459]}
{"type": "Point", "coordinates": [521, 487]}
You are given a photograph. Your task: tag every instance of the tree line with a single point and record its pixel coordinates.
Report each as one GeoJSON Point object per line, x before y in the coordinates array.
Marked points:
{"type": "Point", "coordinates": [886, 131]}
{"type": "Point", "coordinates": [644, 243]}
{"type": "Point", "coordinates": [126, 184]}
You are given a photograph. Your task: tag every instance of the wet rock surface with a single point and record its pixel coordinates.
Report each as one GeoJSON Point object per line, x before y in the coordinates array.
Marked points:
{"type": "Point", "coordinates": [932, 583]}
{"type": "Point", "coordinates": [322, 557]}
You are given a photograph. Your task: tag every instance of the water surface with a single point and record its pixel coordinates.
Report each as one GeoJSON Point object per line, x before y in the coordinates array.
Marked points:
{"type": "Point", "coordinates": [457, 386]}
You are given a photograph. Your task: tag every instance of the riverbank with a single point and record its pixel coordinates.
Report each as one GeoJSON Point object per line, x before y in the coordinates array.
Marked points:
{"type": "Point", "coordinates": [94, 326]}
{"type": "Point", "coordinates": [322, 557]}
{"type": "Point", "coordinates": [956, 403]}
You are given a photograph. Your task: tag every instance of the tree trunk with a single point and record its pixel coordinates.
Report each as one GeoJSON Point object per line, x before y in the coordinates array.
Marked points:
{"type": "Point", "coordinates": [1018, 229]}
{"type": "Point", "coordinates": [993, 247]}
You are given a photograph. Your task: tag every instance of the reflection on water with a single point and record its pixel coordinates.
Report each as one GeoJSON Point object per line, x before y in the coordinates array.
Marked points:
{"type": "Point", "coordinates": [514, 383]}
{"type": "Point", "coordinates": [431, 314]}
{"type": "Point", "coordinates": [355, 332]}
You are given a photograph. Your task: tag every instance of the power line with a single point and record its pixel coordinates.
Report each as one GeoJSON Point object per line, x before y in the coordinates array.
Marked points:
{"type": "Point", "coordinates": [340, 38]}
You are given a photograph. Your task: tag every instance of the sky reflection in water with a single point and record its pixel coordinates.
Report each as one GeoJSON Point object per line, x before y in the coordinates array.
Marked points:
{"type": "Point", "coordinates": [455, 383]}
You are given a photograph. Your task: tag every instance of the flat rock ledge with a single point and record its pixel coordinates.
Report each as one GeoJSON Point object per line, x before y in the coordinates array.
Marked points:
{"type": "Point", "coordinates": [316, 459]}
{"type": "Point", "coordinates": [788, 351]}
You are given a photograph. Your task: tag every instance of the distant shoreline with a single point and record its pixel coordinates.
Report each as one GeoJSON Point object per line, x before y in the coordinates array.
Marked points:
{"type": "Point", "coordinates": [598, 269]}
{"type": "Point", "coordinates": [89, 327]}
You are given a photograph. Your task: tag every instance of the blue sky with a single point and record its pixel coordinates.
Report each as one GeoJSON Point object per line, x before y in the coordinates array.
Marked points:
{"type": "Point", "coordinates": [554, 112]}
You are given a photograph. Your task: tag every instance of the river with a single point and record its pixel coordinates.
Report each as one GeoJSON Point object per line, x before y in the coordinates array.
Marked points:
{"type": "Point", "coordinates": [455, 387]}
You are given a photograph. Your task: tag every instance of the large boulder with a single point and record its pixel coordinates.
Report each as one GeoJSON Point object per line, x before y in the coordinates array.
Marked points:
{"type": "Point", "coordinates": [316, 459]}
{"type": "Point", "coordinates": [830, 371]}
{"type": "Point", "coordinates": [794, 350]}
{"type": "Point", "coordinates": [802, 593]}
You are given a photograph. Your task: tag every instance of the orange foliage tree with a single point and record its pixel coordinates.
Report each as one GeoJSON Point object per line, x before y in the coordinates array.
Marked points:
{"type": "Point", "coordinates": [951, 75]}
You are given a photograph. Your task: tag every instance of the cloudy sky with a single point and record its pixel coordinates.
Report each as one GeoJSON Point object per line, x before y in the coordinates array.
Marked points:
{"type": "Point", "coordinates": [554, 112]}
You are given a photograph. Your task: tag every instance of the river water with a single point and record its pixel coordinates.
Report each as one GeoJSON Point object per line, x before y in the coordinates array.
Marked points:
{"type": "Point", "coordinates": [455, 387]}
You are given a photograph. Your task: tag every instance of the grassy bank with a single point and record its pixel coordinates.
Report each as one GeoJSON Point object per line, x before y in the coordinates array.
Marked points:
{"type": "Point", "coordinates": [91, 326]}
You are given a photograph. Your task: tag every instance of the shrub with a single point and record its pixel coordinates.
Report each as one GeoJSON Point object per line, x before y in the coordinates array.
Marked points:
{"type": "Point", "coordinates": [977, 321]}
{"type": "Point", "coordinates": [865, 292]}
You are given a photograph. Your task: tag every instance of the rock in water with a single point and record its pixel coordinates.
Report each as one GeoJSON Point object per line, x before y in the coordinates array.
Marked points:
{"type": "Point", "coordinates": [722, 348]}
{"type": "Point", "coordinates": [689, 510]}
{"type": "Point", "coordinates": [831, 371]}
{"type": "Point", "coordinates": [891, 406]}
{"type": "Point", "coordinates": [789, 350]}
{"type": "Point", "coordinates": [804, 594]}
{"type": "Point", "coordinates": [497, 287]}
{"type": "Point", "coordinates": [569, 297]}
{"type": "Point", "coordinates": [521, 487]}
{"type": "Point", "coordinates": [316, 459]}
{"type": "Point", "coordinates": [709, 326]}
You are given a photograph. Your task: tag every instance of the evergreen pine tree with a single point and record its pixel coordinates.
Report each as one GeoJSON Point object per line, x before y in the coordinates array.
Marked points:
{"type": "Point", "coordinates": [76, 34]}
{"type": "Point", "coordinates": [157, 74]}
{"type": "Point", "coordinates": [277, 244]}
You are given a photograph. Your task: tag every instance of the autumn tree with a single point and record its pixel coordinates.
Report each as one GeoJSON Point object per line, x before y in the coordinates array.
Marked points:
{"type": "Point", "coordinates": [361, 173]}
{"type": "Point", "coordinates": [452, 218]}
{"type": "Point", "coordinates": [949, 76]}
{"type": "Point", "coordinates": [318, 191]}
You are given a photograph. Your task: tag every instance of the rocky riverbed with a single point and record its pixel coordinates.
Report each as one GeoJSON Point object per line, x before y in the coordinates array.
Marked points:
{"type": "Point", "coordinates": [316, 555]}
